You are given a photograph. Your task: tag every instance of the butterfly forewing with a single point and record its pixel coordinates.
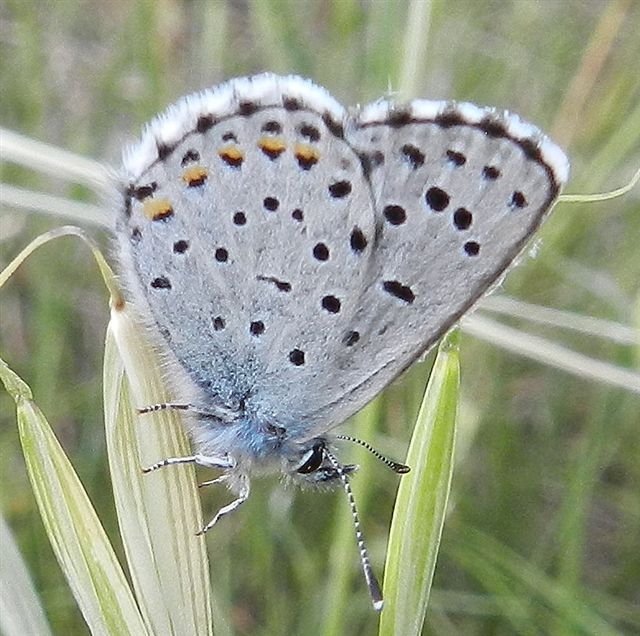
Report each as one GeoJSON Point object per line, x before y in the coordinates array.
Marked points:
{"type": "Point", "coordinates": [247, 246]}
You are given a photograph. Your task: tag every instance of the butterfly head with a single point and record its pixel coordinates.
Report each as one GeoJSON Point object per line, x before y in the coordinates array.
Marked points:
{"type": "Point", "coordinates": [317, 466]}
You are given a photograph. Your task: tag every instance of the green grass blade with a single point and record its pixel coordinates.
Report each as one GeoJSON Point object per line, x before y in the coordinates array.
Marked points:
{"type": "Point", "coordinates": [159, 513]}
{"type": "Point", "coordinates": [76, 534]}
{"type": "Point", "coordinates": [533, 601]}
{"type": "Point", "coordinates": [421, 504]}
{"type": "Point", "coordinates": [20, 608]}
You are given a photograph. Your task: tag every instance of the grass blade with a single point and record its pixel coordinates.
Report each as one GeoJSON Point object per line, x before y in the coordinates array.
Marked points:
{"type": "Point", "coordinates": [158, 513]}
{"type": "Point", "coordinates": [20, 608]}
{"type": "Point", "coordinates": [76, 534]}
{"type": "Point", "coordinates": [422, 501]}
{"type": "Point", "coordinates": [528, 597]}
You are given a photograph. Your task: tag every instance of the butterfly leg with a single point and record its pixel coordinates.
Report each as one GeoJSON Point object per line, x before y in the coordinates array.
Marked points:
{"type": "Point", "coordinates": [243, 495]}
{"type": "Point", "coordinates": [221, 412]}
{"type": "Point", "coordinates": [164, 406]}
{"type": "Point", "coordinates": [225, 462]}
{"type": "Point", "coordinates": [211, 482]}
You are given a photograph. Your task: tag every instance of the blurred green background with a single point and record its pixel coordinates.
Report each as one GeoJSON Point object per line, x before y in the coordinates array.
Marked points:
{"type": "Point", "coordinates": [544, 530]}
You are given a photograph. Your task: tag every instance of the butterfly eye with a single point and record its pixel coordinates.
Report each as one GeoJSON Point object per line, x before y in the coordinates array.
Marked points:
{"type": "Point", "coordinates": [312, 460]}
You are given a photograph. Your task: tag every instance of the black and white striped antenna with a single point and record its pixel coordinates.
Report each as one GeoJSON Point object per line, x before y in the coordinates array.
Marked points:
{"type": "Point", "coordinates": [396, 467]}
{"type": "Point", "coordinates": [372, 583]}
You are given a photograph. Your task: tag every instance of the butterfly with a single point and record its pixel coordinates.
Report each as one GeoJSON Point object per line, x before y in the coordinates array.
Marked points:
{"type": "Point", "coordinates": [290, 257]}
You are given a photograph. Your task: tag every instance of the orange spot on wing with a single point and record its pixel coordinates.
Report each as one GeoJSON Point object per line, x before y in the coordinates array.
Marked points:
{"type": "Point", "coordinates": [306, 155]}
{"type": "Point", "coordinates": [157, 209]}
{"type": "Point", "coordinates": [273, 147]}
{"type": "Point", "coordinates": [195, 176]}
{"type": "Point", "coordinates": [231, 155]}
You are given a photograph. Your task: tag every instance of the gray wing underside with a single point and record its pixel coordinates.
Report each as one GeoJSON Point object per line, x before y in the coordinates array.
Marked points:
{"type": "Point", "coordinates": [357, 251]}
{"type": "Point", "coordinates": [448, 258]}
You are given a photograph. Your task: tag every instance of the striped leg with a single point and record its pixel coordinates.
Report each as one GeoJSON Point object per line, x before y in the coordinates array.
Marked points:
{"type": "Point", "coordinates": [202, 460]}
{"type": "Point", "coordinates": [220, 412]}
{"type": "Point", "coordinates": [243, 495]}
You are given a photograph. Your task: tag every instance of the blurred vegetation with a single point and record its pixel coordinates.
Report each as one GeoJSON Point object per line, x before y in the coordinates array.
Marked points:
{"type": "Point", "coordinates": [543, 535]}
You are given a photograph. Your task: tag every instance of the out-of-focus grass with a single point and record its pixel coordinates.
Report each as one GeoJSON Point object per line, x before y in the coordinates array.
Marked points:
{"type": "Point", "coordinates": [542, 534]}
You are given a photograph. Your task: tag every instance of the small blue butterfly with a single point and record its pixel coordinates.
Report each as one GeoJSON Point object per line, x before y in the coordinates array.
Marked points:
{"type": "Point", "coordinates": [292, 257]}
